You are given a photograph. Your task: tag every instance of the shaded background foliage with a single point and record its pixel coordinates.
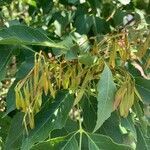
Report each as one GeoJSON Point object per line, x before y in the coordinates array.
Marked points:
{"type": "Point", "coordinates": [76, 30]}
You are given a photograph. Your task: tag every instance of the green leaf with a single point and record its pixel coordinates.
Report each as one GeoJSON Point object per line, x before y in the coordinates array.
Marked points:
{"type": "Point", "coordinates": [111, 128]}
{"type": "Point", "coordinates": [106, 92]}
{"type": "Point", "coordinates": [140, 115]}
{"type": "Point", "coordinates": [5, 2]}
{"type": "Point", "coordinates": [10, 99]}
{"type": "Point", "coordinates": [15, 134]}
{"type": "Point", "coordinates": [118, 17]}
{"type": "Point", "coordinates": [64, 143]}
{"type": "Point", "coordinates": [5, 57]}
{"type": "Point", "coordinates": [87, 59]}
{"type": "Point", "coordinates": [4, 126]}
{"type": "Point", "coordinates": [129, 125]}
{"type": "Point", "coordinates": [61, 22]}
{"type": "Point", "coordinates": [52, 116]}
{"type": "Point", "coordinates": [90, 141]}
{"type": "Point", "coordinates": [45, 4]}
{"type": "Point", "coordinates": [143, 87]}
{"type": "Point", "coordinates": [82, 41]}
{"type": "Point", "coordinates": [70, 126]}
{"type": "Point", "coordinates": [23, 35]}
{"type": "Point", "coordinates": [100, 26]}
{"type": "Point", "coordinates": [71, 54]}
{"type": "Point", "coordinates": [89, 111]}
{"type": "Point", "coordinates": [98, 142]}
{"type": "Point", "coordinates": [143, 142]}
{"type": "Point", "coordinates": [25, 67]}
{"type": "Point", "coordinates": [95, 4]}
{"type": "Point", "coordinates": [83, 23]}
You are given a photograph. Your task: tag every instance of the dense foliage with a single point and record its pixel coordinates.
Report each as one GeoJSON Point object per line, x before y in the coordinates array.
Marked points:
{"type": "Point", "coordinates": [75, 74]}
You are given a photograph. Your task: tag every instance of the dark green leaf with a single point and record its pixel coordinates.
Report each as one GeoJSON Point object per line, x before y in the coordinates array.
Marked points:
{"type": "Point", "coordinates": [118, 18]}
{"type": "Point", "coordinates": [23, 35]}
{"type": "Point", "coordinates": [61, 21]}
{"type": "Point", "coordinates": [98, 142]}
{"type": "Point", "coordinates": [25, 67]}
{"type": "Point", "coordinates": [143, 87]}
{"type": "Point", "coordinates": [61, 143]}
{"type": "Point", "coordinates": [140, 115]}
{"type": "Point", "coordinates": [4, 126]}
{"type": "Point", "coordinates": [143, 142]}
{"type": "Point", "coordinates": [45, 4]}
{"type": "Point", "coordinates": [94, 4]}
{"type": "Point", "coordinates": [10, 99]}
{"type": "Point", "coordinates": [15, 134]}
{"type": "Point", "coordinates": [129, 125]}
{"type": "Point", "coordinates": [111, 128]}
{"type": "Point", "coordinates": [83, 23]}
{"type": "Point", "coordinates": [5, 2]}
{"type": "Point", "coordinates": [89, 112]}
{"type": "Point", "coordinates": [70, 126]}
{"type": "Point", "coordinates": [52, 116]}
{"type": "Point", "coordinates": [100, 26]}
{"type": "Point", "coordinates": [5, 57]}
